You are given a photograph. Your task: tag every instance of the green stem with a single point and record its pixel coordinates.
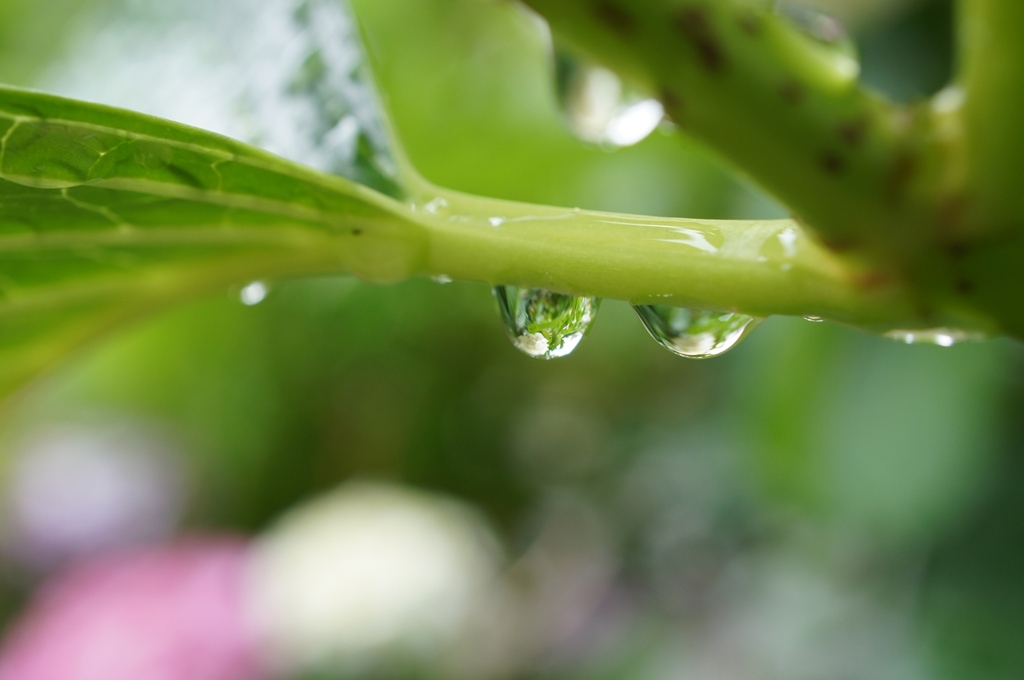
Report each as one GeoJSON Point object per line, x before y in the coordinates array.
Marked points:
{"type": "Point", "coordinates": [782, 107]}
{"type": "Point", "coordinates": [992, 77]}
{"type": "Point", "coordinates": [755, 267]}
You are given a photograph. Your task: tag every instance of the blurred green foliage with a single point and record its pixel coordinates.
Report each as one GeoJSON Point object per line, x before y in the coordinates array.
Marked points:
{"type": "Point", "coordinates": [892, 470]}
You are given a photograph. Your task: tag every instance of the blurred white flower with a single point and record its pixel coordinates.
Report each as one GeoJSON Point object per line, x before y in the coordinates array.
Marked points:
{"type": "Point", "coordinates": [548, 610]}
{"type": "Point", "coordinates": [369, 571]}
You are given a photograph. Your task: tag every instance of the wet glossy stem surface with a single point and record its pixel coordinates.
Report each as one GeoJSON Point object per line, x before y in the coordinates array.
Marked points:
{"type": "Point", "coordinates": [754, 267]}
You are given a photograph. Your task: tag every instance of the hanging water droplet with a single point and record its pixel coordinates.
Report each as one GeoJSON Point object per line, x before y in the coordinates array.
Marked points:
{"type": "Point", "coordinates": [598, 108]}
{"type": "Point", "coordinates": [254, 293]}
{"type": "Point", "coordinates": [829, 33]}
{"type": "Point", "coordinates": [695, 333]}
{"type": "Point", "coordinates": [542, 324]}
{"type": "Point", "coordinates": [943, 337]}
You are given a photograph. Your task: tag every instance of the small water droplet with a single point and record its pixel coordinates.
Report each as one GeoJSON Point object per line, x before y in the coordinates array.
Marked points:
{"type": "Point", "coordinates": [598, 108]}
{"type": "Point", "coordinates": [813, 319]}
{"type": "Point", "coordinates": [787, 239]}
{"type": "Point", "coordinates": [542, 324]}
{"type": "Point", "coordinates": [949, 100]}
{"type": "Point", "coordinates": [436, 206]}
{"type": "Point", "coordinates": [828, 32]}
{"type": "Point", "coordinates": [496, 221]}
{"type": "Point", "coordinates": [695, 333]}
{"type": "Point", "coordinates": [442, 279]}
{"type": "Point", "coordinates": [254, 293]}
{"type": "Point", "coordinates": [943, 337]}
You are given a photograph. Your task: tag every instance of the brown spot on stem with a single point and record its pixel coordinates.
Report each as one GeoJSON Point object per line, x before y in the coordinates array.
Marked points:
{"type": "Point", "coordinates": [750, 23]}
{"type": "Point", "coordinates": [853, 132]}
{"type": "Point", "coordinates": [614, 17]}
{"type": "Point", "coordinates": [965, 287]}
{"type": "Point", "coordinates": [840, 244]}
{"type": "Point", "coordinates": [792, 92]}
{"type": "Point", "coordinates": [673, 104]}
{"type": "Point", "coordinates": [873, 280]}
{"type": "Point", "coordinates": [952, 216]}
{"type": "Point", "coordinates": [693, 23]}
{"type": "Point", "coordinates": [832, 163]}
{"type": "Point", "coordinates": [958, 250]}
{"type": "Point", "coordinates": [903, 169]}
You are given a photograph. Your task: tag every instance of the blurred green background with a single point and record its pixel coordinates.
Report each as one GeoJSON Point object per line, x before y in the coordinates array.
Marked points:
{"type": "Point", "coordinates": [816, 503]}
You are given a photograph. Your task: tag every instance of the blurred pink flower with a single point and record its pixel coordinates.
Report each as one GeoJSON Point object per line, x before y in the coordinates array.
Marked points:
{"type": "Point", "coordinates": [166, 613]}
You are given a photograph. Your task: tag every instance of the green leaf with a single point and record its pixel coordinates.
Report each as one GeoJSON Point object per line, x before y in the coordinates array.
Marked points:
{"type": "Point", "coordinates": [105, 214]}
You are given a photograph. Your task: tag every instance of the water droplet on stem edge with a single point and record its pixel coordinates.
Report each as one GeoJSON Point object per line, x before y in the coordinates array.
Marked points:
{"type": "Point", "coordinates": [598, 108]}
{"type": "Point", "coordinates": [943, 337]}
{"type": "Point", "coordinates": [254, 293]}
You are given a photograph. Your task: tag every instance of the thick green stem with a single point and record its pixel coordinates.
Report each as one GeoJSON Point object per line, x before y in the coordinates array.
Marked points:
{"type": "Point", "coordinates": [781, 106]}
{"type": "Point", "coordinates": [755, 267]}
{"type": "Point", "coordinates": [977, 230]}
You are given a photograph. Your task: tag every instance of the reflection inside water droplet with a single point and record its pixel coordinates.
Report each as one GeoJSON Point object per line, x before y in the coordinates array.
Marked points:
{"type": "Point", "coordinates": [695, 333]}
{"type": "Point", "coordinates": [598, 108]}
{"type": "Point", "coordinates": [542, 324]}
{"type": "Point", "coordinates": [442, 279]}
{"type": "Point", "coordinates": [254, 293]}
{"type": "Point", "coordinates": [813, 319]}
